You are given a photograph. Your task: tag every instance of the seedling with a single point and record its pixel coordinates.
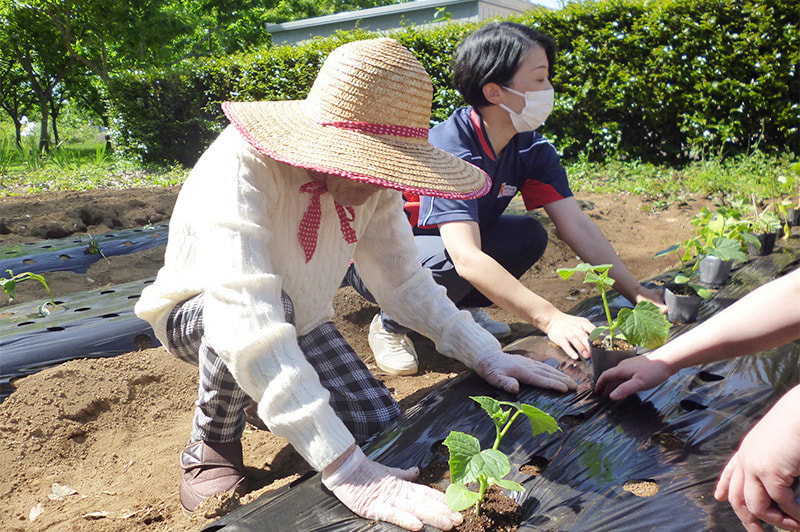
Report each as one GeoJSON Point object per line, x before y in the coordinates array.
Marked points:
{"type": "Point", "coordinates": [722, 234]}
{"type": "Point", "coordinates": [764, 221]}
{"type": "Point", "coordinates": [684, 276]}
{"type": "Point", "coordinates": [94, 248]}
{"type": "Point", "coordinates": [9, 285]}
{"type": "Point", "coordinates": [469, 464]}
{"type": "Point", "coordinates": [644, 325]}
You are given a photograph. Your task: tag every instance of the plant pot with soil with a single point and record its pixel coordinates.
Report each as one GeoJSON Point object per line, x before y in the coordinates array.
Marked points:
{"type": "Point", "coordinates": [723, 235]}
{"type": "Point", "coordinates": [644, 326]}
{"type": "Point", "coordinates": [766, 244]}
{"type": "Point", "coordinates": [714, 270]}
{"type": "Point", "coordinates": [764, 226]}
{"type": "Point", "coordinates": [682, 296]}
{"type": "Point", "coordinates": [683, 303]}
{"type": "Point", "coordinates": [486, 469]}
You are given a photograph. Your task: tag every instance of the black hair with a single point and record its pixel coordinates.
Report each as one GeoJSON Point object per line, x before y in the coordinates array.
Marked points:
{"type": "Point", "coordinates": [493, 54]}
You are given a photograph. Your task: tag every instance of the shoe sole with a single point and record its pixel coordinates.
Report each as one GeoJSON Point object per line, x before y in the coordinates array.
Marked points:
{"type": "Point", "coordinates": [400, 372]}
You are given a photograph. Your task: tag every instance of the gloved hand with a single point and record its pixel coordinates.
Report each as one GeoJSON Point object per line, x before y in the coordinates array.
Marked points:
{"type": "Point", "coordinates": [385, 493]}
{"type": "Point", "coordinates": [506, 371]}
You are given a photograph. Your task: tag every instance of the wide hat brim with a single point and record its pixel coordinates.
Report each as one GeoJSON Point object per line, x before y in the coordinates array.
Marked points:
{"type": "Point", "coordinates": [285, 131]}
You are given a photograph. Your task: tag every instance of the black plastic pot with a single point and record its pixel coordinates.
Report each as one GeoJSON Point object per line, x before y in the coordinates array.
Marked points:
{"type": "Point", "coordinates": [603, 359]}
{"type": "Point", "coordinates": [793, 217]}
{"type": "Point", "coordinates": [714, 270]}
{"type": "Point", "coordinates": [681, 308]}
{"type": "Point", "coordinates": [767, 241]}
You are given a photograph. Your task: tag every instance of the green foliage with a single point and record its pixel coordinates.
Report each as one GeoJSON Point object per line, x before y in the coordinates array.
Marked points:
{"type": "Point", "coordinates": [644, 325]}
{"type": "Point", "coordinates": [687, 270]}
{"type": "Point", "coordinates": [684, 79]}
{"type": "Point", "coordinates": [9, 284]}
{"type": "Point", "coordinates": [721, 233]}
{"type": "Point", "coordinates": [668, 82]}
{"type": "Point", "coordinates": [469, 464]}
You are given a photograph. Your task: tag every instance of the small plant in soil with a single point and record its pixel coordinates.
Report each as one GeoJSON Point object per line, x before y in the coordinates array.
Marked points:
{"type": "Point", "coordinates": [682, 279]}
{"type": "Point", "coordinates": [9, 285]}
{"type": "Point", "coordinates": [723, 234]}
{"type": "Point", "coordinates": [469, 464]}
{"type": "Point", "coordinates": [763, 220]}
{"type": "Point", "coordinates": [644, 325]}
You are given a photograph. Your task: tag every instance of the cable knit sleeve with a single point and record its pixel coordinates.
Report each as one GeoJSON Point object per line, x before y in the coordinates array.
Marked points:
{"type": "Point", "coordinates": [231, 194]}
{"type": "Point", "coordinates": [387, 261]}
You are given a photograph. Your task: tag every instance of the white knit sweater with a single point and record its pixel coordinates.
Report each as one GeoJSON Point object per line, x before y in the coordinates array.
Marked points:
{"type": "Point", "coordinates": [233, 236]}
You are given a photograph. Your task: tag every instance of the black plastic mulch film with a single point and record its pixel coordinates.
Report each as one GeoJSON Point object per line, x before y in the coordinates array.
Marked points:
{"type": "Point", "coordinates": [674, 439]}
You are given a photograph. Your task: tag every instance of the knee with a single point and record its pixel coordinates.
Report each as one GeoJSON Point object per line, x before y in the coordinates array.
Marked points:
{"type": "Point", "coordinates": [531, 244]}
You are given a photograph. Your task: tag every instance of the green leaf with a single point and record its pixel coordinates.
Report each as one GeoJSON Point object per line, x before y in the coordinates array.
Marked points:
{"type": "Point", "coordinates": [597, 332]}
{"type": "Point", "coordinates": [703, 292]}
{"type": "Point", "coordinates": [540, 420]}
{"type": "Point", "coordinates": [462, 448]}
{"type": "Point", "coordinates": [490, 463]}
{"type": "Point", "coordinates": [10, 288]}
{"type": "Point", "coordinates": [681, 279]}
{"type": "Point", "coordinates": [671, 249]}
{"type": "Point", "coordinates": [644, 325]}
{"type": "Point", "coordinates": [507, 484]}
{"type": "Point", "coordinates": [727, 249]}
{"type": "Point", "coordinates": [459, 498]}
{"type": "Point", "coordinates": [592, 277]}
{"type": "Point", "coordinates": [493, 408]}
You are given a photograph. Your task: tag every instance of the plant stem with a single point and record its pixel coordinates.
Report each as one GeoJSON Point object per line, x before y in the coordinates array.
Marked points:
{"type": "Point", "coordinates": [608, 315]}
{"type": "Point", "coordinates": [481, 490]}
{"type": "Point", "coordinates": [501, 433]}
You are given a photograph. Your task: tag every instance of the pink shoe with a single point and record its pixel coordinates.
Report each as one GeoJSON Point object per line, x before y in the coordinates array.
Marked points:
{"type": "Point", "coordinates": [211, 468]}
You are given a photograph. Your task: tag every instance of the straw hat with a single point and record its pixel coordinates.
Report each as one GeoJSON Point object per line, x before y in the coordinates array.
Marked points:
{"type": "Point", "coordinates": [365, 118]}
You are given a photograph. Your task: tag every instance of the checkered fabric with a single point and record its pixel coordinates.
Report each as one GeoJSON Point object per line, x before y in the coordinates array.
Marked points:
{"type": "Point", "coordinates": [361, 401]}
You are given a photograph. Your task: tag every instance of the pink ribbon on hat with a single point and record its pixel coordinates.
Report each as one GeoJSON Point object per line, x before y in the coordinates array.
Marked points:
{"type": "Point", "coordinates": [380, 129]}
{"type": "Point", "coordinates": [309, 224]}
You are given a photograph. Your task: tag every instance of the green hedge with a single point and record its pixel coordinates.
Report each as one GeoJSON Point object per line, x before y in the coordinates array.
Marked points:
{"type": "Point", "coordinates": [661, 82]}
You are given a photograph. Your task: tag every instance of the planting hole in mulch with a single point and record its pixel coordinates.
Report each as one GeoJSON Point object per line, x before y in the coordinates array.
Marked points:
{"type": "Point", "coordinates": [535, 466]}
{"type": "Point", "coordinates": [707, 376]}
{"type": "Point", "coordinates": [641, 488]}
{"type": "Point", "coordinates": [667, 441]}
{"type": "Point", "coordinates": [689, 405]}
{"type": "Point", "coordinates": [571, 420]}
{"type": "Point", "coordinates": [499, 513]}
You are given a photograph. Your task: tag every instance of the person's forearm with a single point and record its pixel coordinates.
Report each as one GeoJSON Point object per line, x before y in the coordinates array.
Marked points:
{"type": "Point", "coordinates": [506, 291]}
{"type": "Point", "coordinates": [593, 247]}
{"type": "Point", "coordinates": [767, 317]}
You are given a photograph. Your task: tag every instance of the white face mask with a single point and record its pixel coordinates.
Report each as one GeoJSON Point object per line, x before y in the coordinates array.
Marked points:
{"type": "Point", "coordinates": [538, 105]}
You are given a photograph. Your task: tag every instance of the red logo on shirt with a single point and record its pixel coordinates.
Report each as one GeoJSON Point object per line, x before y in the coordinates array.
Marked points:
{"type": "Point", "coordinates": [506, 190]}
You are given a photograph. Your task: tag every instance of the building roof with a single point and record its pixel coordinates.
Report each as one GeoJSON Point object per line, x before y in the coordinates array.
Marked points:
{"type": "Point", "coordinates": [395, 16]}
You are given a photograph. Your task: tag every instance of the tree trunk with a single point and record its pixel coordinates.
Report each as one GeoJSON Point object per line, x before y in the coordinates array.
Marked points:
{"type": "Point", "coordinates": [44, 136]}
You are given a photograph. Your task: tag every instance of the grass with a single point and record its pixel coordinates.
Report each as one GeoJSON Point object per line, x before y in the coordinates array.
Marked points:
{"type": "Point", "coordinates": [769, 177]}
{"type": "Point", "coordinates": [82, 163]}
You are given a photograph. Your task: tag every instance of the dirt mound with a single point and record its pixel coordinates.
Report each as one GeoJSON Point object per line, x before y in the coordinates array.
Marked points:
{"type": "Point", "coordinates": [92, 445]}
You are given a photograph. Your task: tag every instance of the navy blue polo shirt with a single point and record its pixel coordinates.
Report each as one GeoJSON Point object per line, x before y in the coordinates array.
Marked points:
{"type": "Point", "coordinates": [528, 164]}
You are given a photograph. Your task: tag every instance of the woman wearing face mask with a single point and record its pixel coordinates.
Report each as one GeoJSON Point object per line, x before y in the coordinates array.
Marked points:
{"type": "Point", "coordinates": [475, 251]}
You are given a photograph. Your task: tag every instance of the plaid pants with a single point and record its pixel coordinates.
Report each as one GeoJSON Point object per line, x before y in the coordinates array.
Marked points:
{"type": "Point", "coordinates": [361, 401]}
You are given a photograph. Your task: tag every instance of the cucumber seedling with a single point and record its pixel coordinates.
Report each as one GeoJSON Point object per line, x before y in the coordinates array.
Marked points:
{"type": "Point", "coordinates": [469, 464]}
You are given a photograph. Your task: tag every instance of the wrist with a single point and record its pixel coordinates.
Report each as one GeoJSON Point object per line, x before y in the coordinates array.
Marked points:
{"type": "Point", "coordinates": [339, 461]}
{"type": "Point", "coordinates": [672, 365]}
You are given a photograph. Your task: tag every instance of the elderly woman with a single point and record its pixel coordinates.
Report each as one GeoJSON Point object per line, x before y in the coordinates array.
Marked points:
{"type": "Point", "coordinates": [262, 233]}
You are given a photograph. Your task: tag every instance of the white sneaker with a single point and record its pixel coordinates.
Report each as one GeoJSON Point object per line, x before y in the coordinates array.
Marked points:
{"type": "Point", "coordinates": [497, 328]}
{"type": "Point", "coordinates": [394, 353]}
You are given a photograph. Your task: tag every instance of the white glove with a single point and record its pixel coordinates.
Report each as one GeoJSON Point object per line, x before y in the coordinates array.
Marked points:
{"type": "Point", "coordinates": [506, 371]}
{"type": "Point", "coordinates": [384, 493]}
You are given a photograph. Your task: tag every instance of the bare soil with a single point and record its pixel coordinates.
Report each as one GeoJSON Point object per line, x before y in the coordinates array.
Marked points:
{"type": "Point", "coordinates": [92, 445]}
